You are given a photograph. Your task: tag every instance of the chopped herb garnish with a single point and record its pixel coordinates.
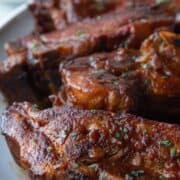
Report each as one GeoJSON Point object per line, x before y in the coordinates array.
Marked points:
{"type": "Point", "coordinates": [166, 143]}
{"type": "Point", "coordinates": [116, 82]}
{"type": "Point", "coordinates": [80, 33]}
{"type": "Point", "coordinates": [35, 106]}
{"type": "Point", "coordinates": [146, 82]}
{"type": "Point", "coordinates": [145, 131]}
{"type": "Point", "coordinates": [137, 173]}
{"type": "Point", "coordinates": [125, 74]}
{"type": "Point", "coordinates": [144, 66]}
{"type": "Point", "coordinates": [93, 166]}
{"type": "Point", "coordinates": [62, 134]}
{"type": "Point", "coordinates": [34, 45]}
{"type": "Point", "coordinates": [98, 17]}
{"type": "Point", "coordinates": [124, 130]}
{"type": "Point", "coordinates": [91, 59]}
{"type": "Point", "coordinates": [100, 5]}
{"type": "Point", "coordinates": [74, 135]}
{"type": "Point", "coordinates": [93, 111]}
{"type": "Point", "coordinates": [117, 135]}
{"type": "Point", "coordinates": [99, 73]}
{"type": "Point", "coordinates": [49, 149]}
{"type": "Point", "coordinates": [162, 1]}
{"type": "Point", "coordinates": [131, 3]}
{"type": "Point", "coordinates": [173, 152]}
{"type": "Point", "coordinates": [75, 165]}
{"type": "Point", "coordinates": [162, 177]}
{"type": "Point", "coordinates": [33, 141]}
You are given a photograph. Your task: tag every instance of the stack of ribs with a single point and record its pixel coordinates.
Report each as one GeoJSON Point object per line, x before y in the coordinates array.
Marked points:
{"type": "Point", "coordinates": [84, 85]}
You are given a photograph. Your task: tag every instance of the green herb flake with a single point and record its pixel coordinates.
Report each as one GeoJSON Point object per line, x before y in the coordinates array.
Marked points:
{"type": "Point", "coordinates": [145, 131]}
{"type": "Point", "coordinates": [33, 142]}
{"type": "Point", "coordinates": [144, 66]}
{"type": "Point", "coordinates": [75, 165]}
{"type": "Point", "coordinates": [173, 151]}
{"type": "Point", "coordinates": [162, 177]}
{"type": "Point", "coordinates": [74, 135]}
{"type": "Point", "coordinates": [35, 107]}
{"type": "Point", "coordinates": [100, 6]}
{"type": "Point", "coordinates": [116, 83]}
{"type": "Point", "coordinates": [137, 173]}
{"type": "Point", "coordinates": [93, 166]}
{"type": "Point", "coordinates": [162, 1]}
{"type": "Point", "coordinates": [34, 46]}
{"type": "Point", "coordinates": [124, 75]}
{"type": "Point", "coordinates": [93, 111]}
{"type": "Point", "coordinates": [62, 134]}
{"type": "Point", "coordinates": [117, 135]}
{"type": "Point", "coordinates": [166, 143]}
{"type": "Point", "coordinates": [99, 73]}
{"type": "Point", "coordinates": [80, 33]}
{"type": "Point", "coordinates": [146, 82]}
{"type": "Point", "coordinates": [98, 17]}
{"type": "Point", "coordinates": [124, 130]}
{"type": "Point", "coordinates": [49, 149]}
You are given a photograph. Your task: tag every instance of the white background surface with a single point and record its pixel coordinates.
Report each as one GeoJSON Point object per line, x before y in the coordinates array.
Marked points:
{"type": "Point", "coordinates": [7, 6]}
{"type": "Point", "coordinates": [12, 28]}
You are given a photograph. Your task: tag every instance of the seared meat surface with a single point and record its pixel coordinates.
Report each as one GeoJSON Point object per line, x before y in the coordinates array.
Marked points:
{"type": "Point", "coordinates": [110, 31]}
{"type": "Point", "coordinates": [14, 80]}
{"type": "Point", "coordinates": [96, 61]}
{"type": "Point", "coordinates": [45, 52]}
{"type": "Point", "coordinates": [125, 80]}
{"type": "Point", "coordinates": [67, 143]}
{"type": "Point", "coordinates": [160, 66]}
{"type": "Point", "coordinates": [102, 81]}
{"type": "Point", "coordinates": [56, 15]}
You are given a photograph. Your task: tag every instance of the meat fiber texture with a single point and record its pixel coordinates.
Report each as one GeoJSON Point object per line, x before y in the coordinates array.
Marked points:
{"type": "Point", "coordinates": [69, 143]}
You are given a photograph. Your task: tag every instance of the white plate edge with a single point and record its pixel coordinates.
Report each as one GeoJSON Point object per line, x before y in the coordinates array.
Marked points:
{"type": "Point", "coordinates": [13, 15]}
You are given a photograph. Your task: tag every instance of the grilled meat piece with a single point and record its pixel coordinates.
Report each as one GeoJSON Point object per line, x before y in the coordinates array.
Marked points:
{"type": "Point", "coordinates": [67, 143]}
{"type": "Point", "coordinates": [101, 81]}
{"type": "Point", "coordinates": [111, 81]}
{"type": "Point", "coordinates": [14, 81]}
{"type": "Point", "coordinates": [114, 29]}
{"type": "Point", "coordinates": [56, 15]}
{"type": "Point", "coordinates": [45, 52]}
{"type": "Point", "coordinates": [160, 66]}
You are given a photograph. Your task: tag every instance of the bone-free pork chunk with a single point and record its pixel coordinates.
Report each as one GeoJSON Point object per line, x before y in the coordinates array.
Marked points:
{"type": "Point", "coordinates": [102, 81]}
{"type": "Point", "coordinates": [67, 143]}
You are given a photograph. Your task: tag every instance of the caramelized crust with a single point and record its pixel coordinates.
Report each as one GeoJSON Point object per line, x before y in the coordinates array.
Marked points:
{"type": "Point", "coordinates": [14, 80]}
{"type": "Point", "coordinates": [101, 81]}
{"type": "Point", "coordinates": [56, 15]}
{"type": "Point", "coordinates": [67, 143]}
{"type": "Point", "coordinates": [125, 28]}
{"type": "Point", "coordinates": [45, 52]}
{"type": "Point", "coordinates": [160, 65]}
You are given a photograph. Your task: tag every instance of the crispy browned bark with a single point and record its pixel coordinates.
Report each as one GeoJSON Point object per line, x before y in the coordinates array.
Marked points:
{"type": "Point", "coordinates": [67, 143]}
{"type": "Point", "coordinates": [160, 66]}
{"type": "Point", "coordinates": [102, 81]}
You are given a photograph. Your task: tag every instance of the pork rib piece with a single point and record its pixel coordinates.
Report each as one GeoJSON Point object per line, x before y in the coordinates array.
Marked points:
{"type": "Point", "coordinates": [160, 66]}
{"type": "Point", "coordinates": [45, 52]}
{"type": "Point", "coordinates": [67, 143]}
{"type": "Point", "coordinates": [14, 80]}
{"type": "Point", "coordinates": [111, 30]}
{"type": "Point", "coordinates": [102, 81]}
{"type": "Point", "coordinates": [126, 80]}
{"type": "Point", "coordinates": [56, 15]}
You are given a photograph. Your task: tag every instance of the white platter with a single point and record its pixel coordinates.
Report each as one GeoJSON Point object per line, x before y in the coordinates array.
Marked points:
{"type": "Point", "coordinates": [19, 23]}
